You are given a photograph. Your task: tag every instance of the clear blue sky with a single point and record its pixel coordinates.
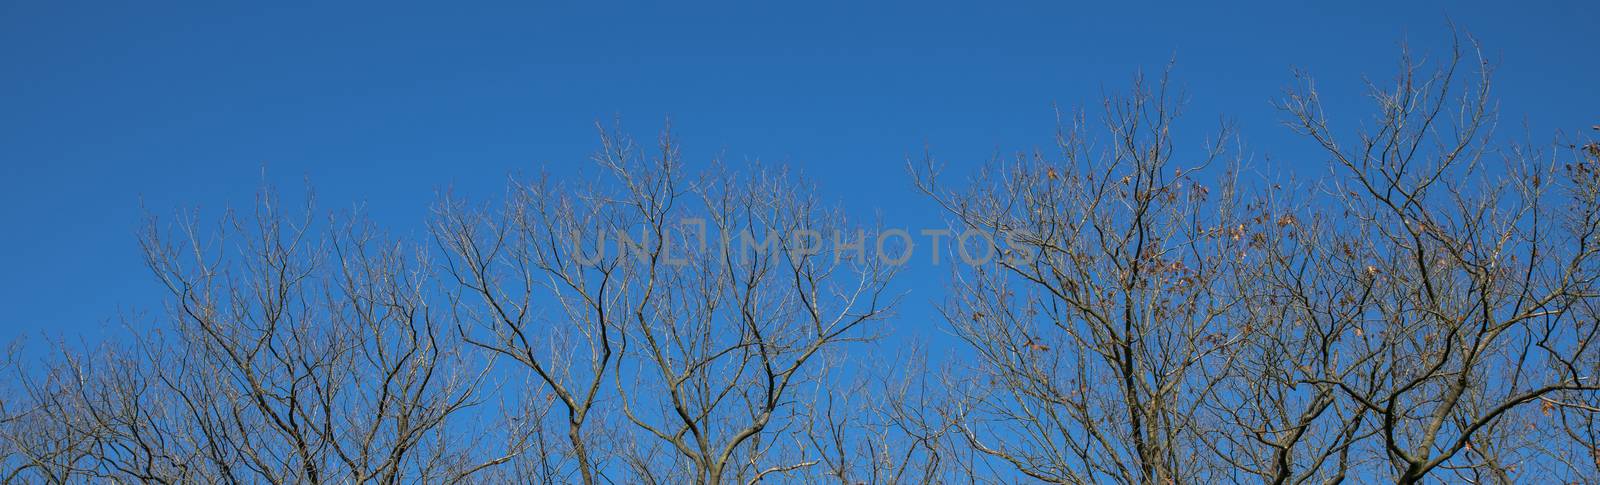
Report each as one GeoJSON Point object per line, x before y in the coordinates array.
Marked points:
{"type": "Point", "coordinates": [180, 105]}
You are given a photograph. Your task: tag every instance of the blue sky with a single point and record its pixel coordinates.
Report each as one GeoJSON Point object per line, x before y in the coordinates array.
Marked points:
{"type": "Point", "coordinates": [103, 106]}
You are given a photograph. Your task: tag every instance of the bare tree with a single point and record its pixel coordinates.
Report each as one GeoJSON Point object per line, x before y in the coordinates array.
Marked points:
{"type": "Point", "coordinates": [44, 433]}
{"type": "Point", "coordinates": [1100, 325]}
{"type": "Point", "coordinates": [1426, 313]}
{"type": "Point", "coordinates": [292, 355]}
{"type": "Point", "coordinates": [1477, 261]}
{"type": "Point", "coordinates": [702, 298]}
